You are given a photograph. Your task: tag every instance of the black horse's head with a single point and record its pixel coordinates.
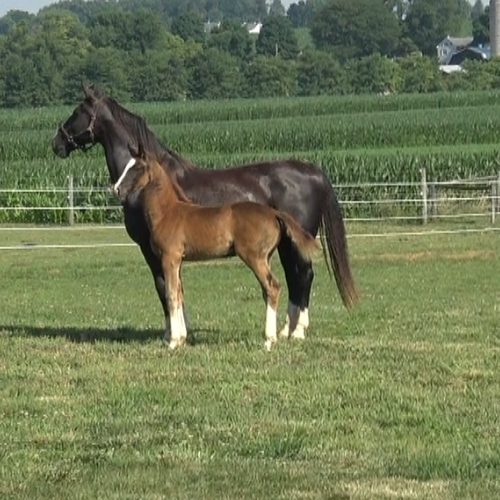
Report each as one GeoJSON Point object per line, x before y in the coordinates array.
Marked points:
{"type": "Point", "coordinates": [77, 132]}
{"type": "Point", "coordinates": [135, 177]}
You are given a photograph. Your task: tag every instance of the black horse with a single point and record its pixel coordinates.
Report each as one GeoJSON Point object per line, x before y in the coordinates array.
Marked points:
{"type": "Point", "coordinates": [296, 187]}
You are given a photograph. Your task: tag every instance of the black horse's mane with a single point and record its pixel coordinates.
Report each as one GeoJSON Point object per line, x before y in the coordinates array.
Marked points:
{"type": "Point", "coordinates": [136, 126]}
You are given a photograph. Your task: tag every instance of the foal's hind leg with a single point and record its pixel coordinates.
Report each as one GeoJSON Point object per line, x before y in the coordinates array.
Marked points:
{"type": "Point", "coordinates": [270, 292]}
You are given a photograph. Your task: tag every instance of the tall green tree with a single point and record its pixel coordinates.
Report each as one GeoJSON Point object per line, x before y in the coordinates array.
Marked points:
{"type": "Point", "coordinates": [243, 10]}
{"type": "Point", "coordinates": [477, 9]}
{"type": "Point", "coordinates": [302, 13]}
{"type": "Point", "coordinates": [156, 76]}
{"type": "Point", "coordinates": [107, 67]}
{"type": "Point", "coordinates": [376, 74]}
{"type": "Point", "coordinates": [189, 26]}
{"type": "Point", "coordinates": [12, 17]}
{"type": "Point", "coordinates": [429, 21]}
{"type": "Point", "coordinates": [22, 57]}
{"type": "Point", "coordinates": [297, 13]}
{"type": "Point", "coordinates": [356, 28]}
{"type": "Point", "coordinates": [277, 37]}
{"type": "Point", "coordinates": [270, 77]}
{"type": "Point", "coordinates": [63, 35]}
{"type": "Point", "coordinates": [231, 37]}
{"type": "Point", "coordinates": [481, 25]}
{"type": "Point", "coordinates": [319, 72]}
{"type": "Point", "coordinates": [420, 75]}
{"type": "Point", "coordinates": [215, 74]}
{"type": "Point", "coordinates": [277, 8]}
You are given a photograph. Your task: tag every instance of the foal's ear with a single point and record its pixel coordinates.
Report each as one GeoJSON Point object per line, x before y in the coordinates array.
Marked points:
{"type": "Point", "coordinates": [138, 152]}
{"type": "Point", "coordinates": [141, 151]}
{"type": "Point", "coordinates": [133, 151]}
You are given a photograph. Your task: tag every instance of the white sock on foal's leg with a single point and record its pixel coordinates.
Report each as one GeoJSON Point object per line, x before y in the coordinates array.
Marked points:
{"type": "Point", "coordinates": [292, 316]}
{"type": "Point", "coordinates": [175, 329]}
{"type": "Point", "coordinates": [183, 331]}
{"type": "Point", "coordinates": [302, 323]}
{"type": "Point", "coordinates": [185, 325]}
{"type": "Point", "coordinates": [270, 327]}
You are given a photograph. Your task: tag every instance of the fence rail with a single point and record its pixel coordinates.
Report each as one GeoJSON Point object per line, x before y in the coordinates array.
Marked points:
{"type": "Point", "coordinates": [399, 201]}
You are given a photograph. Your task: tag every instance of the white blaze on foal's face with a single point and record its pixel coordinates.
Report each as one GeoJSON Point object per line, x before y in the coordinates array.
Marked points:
{"type": "Point", "coordinates": [128, 166]}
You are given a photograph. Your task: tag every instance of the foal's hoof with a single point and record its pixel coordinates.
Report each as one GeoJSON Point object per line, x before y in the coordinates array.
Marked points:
{"type": "Point", "coordinates": [285, 332]}
{"type": "Point", "coordinates": [269, 343]}
{"type": "Point", "coordinates": [175, 344]}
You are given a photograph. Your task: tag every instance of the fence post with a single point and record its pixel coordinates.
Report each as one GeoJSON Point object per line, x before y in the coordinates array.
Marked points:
{"type": "Point", "coordinates": [71, 201]}
{"type": "Point", "coordinates": [497, 200]}
{"type": "Point", "coordinates": [432, 199]}
{"type": "Point", "coordinates": [494, 199]}
{"type": "Point", "coordinates": [423, 187]}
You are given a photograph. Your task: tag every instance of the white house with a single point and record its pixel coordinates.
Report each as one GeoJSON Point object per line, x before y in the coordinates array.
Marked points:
{"type": "Point", "coordinates": [253, 28]}
{"type": "Point", "coordinates": [451, 45]}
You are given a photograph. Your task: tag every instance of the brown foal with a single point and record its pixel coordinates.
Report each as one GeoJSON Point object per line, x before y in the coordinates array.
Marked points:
{"type": "Point", "coordinates": [181, 230]}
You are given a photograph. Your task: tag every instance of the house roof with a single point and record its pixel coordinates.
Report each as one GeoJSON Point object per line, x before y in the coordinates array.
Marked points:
{"type": "Point", "coordinates": [459, 41]}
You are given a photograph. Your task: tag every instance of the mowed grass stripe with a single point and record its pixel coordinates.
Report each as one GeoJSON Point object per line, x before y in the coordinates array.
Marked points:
{"type": "Point", "coordinates": [398, 398]}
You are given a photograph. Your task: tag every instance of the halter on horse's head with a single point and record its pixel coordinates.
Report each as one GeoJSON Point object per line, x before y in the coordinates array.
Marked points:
{"type": "Point", "coordinates": [77, 132]}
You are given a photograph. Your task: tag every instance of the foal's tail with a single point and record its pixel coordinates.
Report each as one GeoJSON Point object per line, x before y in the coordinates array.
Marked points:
{"type": "Point", "coordinates": [305, 242]}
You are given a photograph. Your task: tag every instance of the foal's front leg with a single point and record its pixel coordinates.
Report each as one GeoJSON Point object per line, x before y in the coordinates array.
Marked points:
{"type": "Point", "coordinates": [155, 266]}
{"type": "Point", "coordinates": [171, 270]}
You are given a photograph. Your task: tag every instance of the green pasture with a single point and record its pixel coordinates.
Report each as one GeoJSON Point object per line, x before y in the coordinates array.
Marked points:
{"type": "Point", "coordinates": [397, 399]}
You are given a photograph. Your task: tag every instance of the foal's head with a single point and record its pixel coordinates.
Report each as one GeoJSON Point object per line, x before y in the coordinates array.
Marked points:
{"type": "Point", "coordinates": [142, 172]}
{"type": "Point", "coordinates": [139, 172]}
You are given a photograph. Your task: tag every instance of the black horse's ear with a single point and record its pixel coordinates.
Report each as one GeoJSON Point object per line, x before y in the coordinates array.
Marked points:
{"type": "Point", "coordinates": [89, 93]}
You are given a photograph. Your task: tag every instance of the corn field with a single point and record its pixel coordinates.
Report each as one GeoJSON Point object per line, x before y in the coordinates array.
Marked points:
{"type": "Point", "coordinates": [355, 140]}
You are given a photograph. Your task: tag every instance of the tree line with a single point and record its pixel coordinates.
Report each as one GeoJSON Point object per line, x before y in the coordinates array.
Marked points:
{"type": "Point", "coordinates": [163, 50]}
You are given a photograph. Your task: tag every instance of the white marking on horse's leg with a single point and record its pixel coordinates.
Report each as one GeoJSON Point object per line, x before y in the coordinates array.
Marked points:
{"type": "Point", "coordinates": [175, 328]}
{"type": "Point", "coordinates": [292, 317]}
{"type": "Point", "coordinates": [303, 322]}
{"type": "Point", "coordinates": [182, 322]}
{"type": "Point", "coordinates": [128, 166]}
{"type": "Point", "coordinates": [270, 327]}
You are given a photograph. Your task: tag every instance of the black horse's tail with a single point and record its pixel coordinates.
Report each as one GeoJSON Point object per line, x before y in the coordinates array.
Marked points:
{"type": "Point", "coordinates": [334, 243]}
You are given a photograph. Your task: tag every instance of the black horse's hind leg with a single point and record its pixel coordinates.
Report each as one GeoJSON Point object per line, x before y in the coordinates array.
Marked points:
{"type": "Point", "coordinates": [305, 276]}
{"type": "Point", "coordinates": [299, 276]}
{"type": "Point", "coordinates": [157, 272]}
{"type": "Point", "coordinates": [288, 260]}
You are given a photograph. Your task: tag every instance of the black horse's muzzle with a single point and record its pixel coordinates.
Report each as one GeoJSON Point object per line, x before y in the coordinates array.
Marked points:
{"type": "Point", "coordinates": [59, 146]}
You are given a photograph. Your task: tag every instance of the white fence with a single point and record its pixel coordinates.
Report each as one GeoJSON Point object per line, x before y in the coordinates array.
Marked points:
{"type": "Point", "coordinates": [367, 202]}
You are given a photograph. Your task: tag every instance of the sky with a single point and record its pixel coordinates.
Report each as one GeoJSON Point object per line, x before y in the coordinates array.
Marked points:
{"type": "Point", "coordinates": [34, 5]}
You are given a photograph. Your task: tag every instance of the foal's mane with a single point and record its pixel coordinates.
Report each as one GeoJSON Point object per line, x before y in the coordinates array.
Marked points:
{"type": "Point", "coordinates": [161, 176]}
{"type": "Point", "coordinates": [136, 126]}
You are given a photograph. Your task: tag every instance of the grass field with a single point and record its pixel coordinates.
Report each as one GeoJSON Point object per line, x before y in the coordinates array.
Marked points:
{"type": "Point", "coordinates": [398, 399]}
